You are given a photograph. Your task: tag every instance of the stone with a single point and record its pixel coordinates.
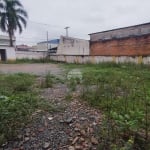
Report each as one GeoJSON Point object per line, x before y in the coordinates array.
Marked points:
{"type": "Point", "coordinates": [71, 148]}
{"type": "Point", "coordinates": [82, 139]}
{"type": "Point", "coordinates": [69, 120]}
{"type": "Point", "coordinates": [77, 125]}
{"type": "Point", "coordinates": [21, 148]}
{"type": "Point", "coordinates": [19, 136]}
{"type": "Point", "coordinates": [83, 132]}
{"type": "Point", "coordinates": [94, 140]}
{"type": "Point", "coordinates": [82, 118]}
{"type": "Point", "coordinates": [46, 145]}
{"type": "Point", "coordinates": [94, 123]}
{"type": "Point", "coordinates": [33, 134]}
{"type": "Point", "coordinates": [50, 118]}
{"type": "Point", "coordinates": [61, 121]}
{"type": "Point", "coordinates": [27, 130]}
{"type": "Point", "coordinates": [26, 139]}
{"type": "Point", "coordinates": [41, 129]}
{"type": "Point", "coordinates": [77, 147]}
{"type": "Point", "coordinates": [75, 140]}
{"type": "Point", "coordinates": [90, 130]}
{"type": "Point", "coordinates": [76, 129]}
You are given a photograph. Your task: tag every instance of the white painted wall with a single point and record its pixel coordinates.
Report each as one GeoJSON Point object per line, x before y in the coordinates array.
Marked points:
{"type": "Point", "coordinates": [30, 55]}
{"type": "Point", "coordinates": [4, 40]}
{"type": "Point", "coordinates": [100, 59]}
{"type": "Point", "coordinates": [72, 46]}
{"type": "Point", "coordinates": [43, 46]}
{"type": "Point", "coordinates": [10, 52]}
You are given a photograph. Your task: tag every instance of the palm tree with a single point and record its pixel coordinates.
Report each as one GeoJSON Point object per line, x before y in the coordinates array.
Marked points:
{"type": "Point", "coordinates": [12, 17]}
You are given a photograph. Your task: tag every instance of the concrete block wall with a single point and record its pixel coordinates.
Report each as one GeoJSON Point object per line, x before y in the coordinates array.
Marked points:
{"type": "Point", "coordinates": [100, 59]}
{"type": "Point", "coordinates": [30, 55]}
{"type": "Point", "coordinates": [136, 30]}
{"type": "Point", "coordinates": [10, 53]}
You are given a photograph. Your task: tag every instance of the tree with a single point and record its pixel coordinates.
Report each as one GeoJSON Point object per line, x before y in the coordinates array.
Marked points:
{"type": "Point", "coordinates": [12, 17]}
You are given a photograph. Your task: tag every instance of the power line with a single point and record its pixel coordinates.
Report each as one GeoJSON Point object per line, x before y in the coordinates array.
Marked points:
{"type": "Point", "coordinates": [46, 24]}
{"type": "Point", "coordinates": [30, 38]}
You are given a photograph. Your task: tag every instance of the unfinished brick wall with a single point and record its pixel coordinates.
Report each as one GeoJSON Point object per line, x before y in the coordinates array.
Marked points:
{"type": "Point", "coordinates": [131, 46]}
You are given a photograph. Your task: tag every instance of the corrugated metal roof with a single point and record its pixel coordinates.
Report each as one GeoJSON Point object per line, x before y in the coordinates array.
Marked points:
{"type": "Point", "coordinates": [54, 41]}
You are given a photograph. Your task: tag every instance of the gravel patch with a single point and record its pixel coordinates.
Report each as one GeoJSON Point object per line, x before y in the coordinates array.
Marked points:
{"type": "Point", "coordinates": [75, 127]}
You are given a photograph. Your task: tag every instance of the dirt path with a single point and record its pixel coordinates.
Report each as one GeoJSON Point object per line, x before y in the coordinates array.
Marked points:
{"type": "Point", "coordinates": [75, 126]}
{"type": "Point", "coordinates": [38, 69]}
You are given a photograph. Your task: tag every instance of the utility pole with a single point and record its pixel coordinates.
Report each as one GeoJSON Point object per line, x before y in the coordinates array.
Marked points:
{"type": "Point", "coordinates": [47, 39]}
{"type": "Point", "coordinates": [66, 28]}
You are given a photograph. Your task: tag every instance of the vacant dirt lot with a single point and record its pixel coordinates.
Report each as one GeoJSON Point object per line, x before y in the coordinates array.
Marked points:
{"type": "Point", "coordinates": [38, 69]}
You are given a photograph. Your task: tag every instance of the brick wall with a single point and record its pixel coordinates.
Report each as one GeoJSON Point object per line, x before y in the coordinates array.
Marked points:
{"type": "Point", "coordinates": [132, 46]}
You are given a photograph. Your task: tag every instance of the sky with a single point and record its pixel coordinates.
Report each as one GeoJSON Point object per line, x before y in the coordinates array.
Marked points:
{"type": "Point", "coordinates": [82, 16]}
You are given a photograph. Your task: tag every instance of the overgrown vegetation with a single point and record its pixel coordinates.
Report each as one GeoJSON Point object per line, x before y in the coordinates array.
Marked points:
{"type": "Point", "coordinates": [18, 100]}
{"type": "Point", "coordinates": [122, 91]}
{"type": "Point", "coordinates": [49, 80]}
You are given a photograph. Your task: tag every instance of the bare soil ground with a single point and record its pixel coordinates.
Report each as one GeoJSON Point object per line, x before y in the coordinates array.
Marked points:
{"type": "Point", "coordinates": [38, 69]}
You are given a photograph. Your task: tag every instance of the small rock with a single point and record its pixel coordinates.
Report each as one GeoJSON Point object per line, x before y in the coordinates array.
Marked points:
{"type": "Point", "coordinates": [69, 120]}
{"type": "Point", "coordinates": [83, 132]}
{"type": "Point", "coordinates": [77, 147]}
{"type": "Point", "coordinates": [21, 148]}
{"type": "Point", "coordinates": [76, 129]}
{"type": "Point", "coordinates": [82, 139]}
{"type": "Point", "coordinates": [77, 125]}
{"type": "Point", "coordinates": [46, 145]}
{"type": "Point", "coordinates": [20, 144]}
{"type": "Point", "coordinates": [94, 123]}
{"type": "Point", "coordinates": [26, 139]}
{"type": "Point", "coordinates": [71, 148]}
{"type": "Point", "coordinates": [19, 136]}
{"type": "Point", "coordinates": [27, 130]}
{"type": "Point", "coordinates": [90, 130]}
{"type": "Point", "coordinates": [82, 118]}
{"type": "Point", "coordinates": [94, 140]}
{"type": "Point", "coordinates": [27, 134]}
{"type": "Point", "coordinates": [75, 140]}
{"type": "Point", "coordinates": [41, 129]}
{"type": "Point", "coordinates": [61, 121]}
{"type": "Point", "coordinates": [33, 134]}
{"type": "Point", "coordinates": [50, 118]}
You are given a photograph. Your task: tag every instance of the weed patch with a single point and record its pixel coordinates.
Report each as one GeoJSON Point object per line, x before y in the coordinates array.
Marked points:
{"type": "Point", "coordinates": [18, 101]}
{"type": "Point", "coordinates": [122, 92]}
{"type": "Point", "coordinates": [49, 80]}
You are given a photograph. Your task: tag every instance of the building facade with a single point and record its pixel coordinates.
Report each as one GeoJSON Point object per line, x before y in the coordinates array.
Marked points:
{"type": "Point", "coordinates": [6, 52]}
{"type": "Point", "coordinates": [128, 41]}
{"type": "Point", "coordinates": [50, 45]}
{"type": "Point", "coordinates": [73, 46]}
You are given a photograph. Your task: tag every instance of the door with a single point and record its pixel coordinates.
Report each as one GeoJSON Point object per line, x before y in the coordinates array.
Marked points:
{"type": "Point", "coordinates": [3, 54]}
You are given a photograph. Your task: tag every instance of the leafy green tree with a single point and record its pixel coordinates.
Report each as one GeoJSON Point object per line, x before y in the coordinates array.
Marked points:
{"type": "Point", "coordinates": [12, 17]}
